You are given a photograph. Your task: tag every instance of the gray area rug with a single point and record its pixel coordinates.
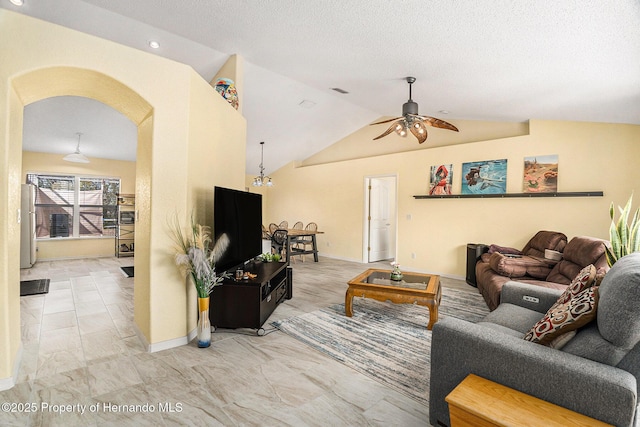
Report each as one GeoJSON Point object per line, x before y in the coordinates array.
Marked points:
{"type": "Point", "coordinates": [387, 342]}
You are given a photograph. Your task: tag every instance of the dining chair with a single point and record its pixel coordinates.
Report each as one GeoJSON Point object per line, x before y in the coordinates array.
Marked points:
{"type": "Point", "coordinates": [296, 241]}
{"type": "Point", "coordinates": [279, 242]}
{"type": "Point", "coordinates": [284, 225]}
{"type": "Point", "coordinates": [307, 240]}
{"type": "Point", "coordinates": [265, 233]}
{"type": "Point", "coordinates": [272, 228]}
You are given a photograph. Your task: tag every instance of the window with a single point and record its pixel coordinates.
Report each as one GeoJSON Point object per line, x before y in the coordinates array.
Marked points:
{"type": "Point", "coordinates": [75, 206]}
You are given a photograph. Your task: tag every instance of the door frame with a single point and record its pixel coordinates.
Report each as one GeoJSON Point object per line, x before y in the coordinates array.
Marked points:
{"type": "Point", "coordinates": [365, 216]}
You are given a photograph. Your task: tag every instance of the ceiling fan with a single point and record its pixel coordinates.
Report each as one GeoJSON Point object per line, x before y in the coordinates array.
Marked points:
{"type": "Point", "coordinates": [412, 122]}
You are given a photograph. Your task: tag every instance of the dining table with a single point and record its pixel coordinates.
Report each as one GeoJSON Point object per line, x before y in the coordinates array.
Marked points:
{"type": "Point", "coordinates": [294, 235]}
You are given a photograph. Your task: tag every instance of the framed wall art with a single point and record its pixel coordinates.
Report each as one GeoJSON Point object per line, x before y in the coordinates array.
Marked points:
{"type": "Point", "coordinates": [440, 179]}
{"type": "Point", "coordinates": [485, 177]}
{"type": "Point", "coordinates": [540, 174]}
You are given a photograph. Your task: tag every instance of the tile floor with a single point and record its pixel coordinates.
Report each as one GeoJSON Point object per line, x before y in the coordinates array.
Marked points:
{"type": "Point", "coordinates": [83, 365]}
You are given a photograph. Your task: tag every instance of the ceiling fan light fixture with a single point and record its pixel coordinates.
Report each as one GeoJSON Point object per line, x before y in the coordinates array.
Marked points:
{"type": "Point", "coordinates": [76, 156]}
{"type": "Point", "coordinates": [401, 130]}
{"type": "Point", "coordinates": [412, 121]}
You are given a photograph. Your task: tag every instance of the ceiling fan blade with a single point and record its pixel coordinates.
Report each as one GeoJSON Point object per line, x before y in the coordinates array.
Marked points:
{"type": "Point", "coordinates": [419, 130]}
{"type": "Point", "coordinates": [385, 121]}
{"type": "Point", "coordinates": [437, 123]}
{"type": "Point", "coordinates": [391, 129]}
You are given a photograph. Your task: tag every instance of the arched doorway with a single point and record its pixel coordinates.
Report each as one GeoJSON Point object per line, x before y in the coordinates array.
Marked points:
{"type": "Point", "coordinates": [61, 81]}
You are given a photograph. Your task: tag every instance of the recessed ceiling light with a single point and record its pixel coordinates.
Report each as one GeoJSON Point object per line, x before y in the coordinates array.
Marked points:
{"type": "Point", "coordinates": [443, 111]}
{"type": "Point", "coordinates": [17, 2]}
{"type": "Point", "coordinates": [154, 44]}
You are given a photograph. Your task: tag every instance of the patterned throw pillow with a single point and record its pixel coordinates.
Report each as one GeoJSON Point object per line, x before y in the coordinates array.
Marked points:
{"type": "Point", "coordinates": [584, 279]}
{"type": "Point", "coordinates": [565, 317]}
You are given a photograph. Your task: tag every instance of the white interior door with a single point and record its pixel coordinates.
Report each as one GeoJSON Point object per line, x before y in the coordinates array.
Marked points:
{"type": "Point", "coordinates": [382, 218]}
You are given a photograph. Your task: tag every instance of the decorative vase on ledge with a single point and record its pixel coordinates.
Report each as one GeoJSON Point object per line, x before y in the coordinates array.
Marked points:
{"type": "Point", "coordinates": [204, 325]}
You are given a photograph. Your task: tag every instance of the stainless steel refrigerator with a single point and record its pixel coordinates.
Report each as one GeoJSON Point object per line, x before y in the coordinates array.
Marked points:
{"type": "Point", "coordinates": [28, 226]}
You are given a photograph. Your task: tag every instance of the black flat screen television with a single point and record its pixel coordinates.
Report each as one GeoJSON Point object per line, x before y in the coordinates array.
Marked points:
{"type": "Point", "coordinates": [238, 214]}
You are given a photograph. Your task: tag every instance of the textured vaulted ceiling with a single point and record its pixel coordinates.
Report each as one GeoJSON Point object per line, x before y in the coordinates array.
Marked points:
{"type": "Point", "coordinates": [497, 60]}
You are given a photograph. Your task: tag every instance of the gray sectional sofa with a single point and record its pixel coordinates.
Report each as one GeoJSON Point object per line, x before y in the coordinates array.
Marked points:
{"type": "Point", "coordinates": [596, 373]}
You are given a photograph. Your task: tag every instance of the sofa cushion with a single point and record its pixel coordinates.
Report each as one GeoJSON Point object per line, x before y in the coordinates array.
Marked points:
{"type": "Point", "coordinates": [514, 317]}
{"type": "Point", "coordinates": [562, 318]}
{"type": "Point", "coordinates": [503, 250]}
{"type": "Point", "coordinates": [563, 339]}
{"type": "Point", "coordinates": [545, 240]}
{"type": "Point", "coordinates": [539, 271]}
{"type": "Point", "coordinates": [500, 329]}
{"type": "Point", "coordinates": [514, 266]}
{"type": "Point", "coordinates": [619, 311]}
{"type": "Point", "coordinates": [579, 252]}
{"type": "Point", "coordinates": [508, 265]}
{"type": "Point", "coordinates": [588, 343]}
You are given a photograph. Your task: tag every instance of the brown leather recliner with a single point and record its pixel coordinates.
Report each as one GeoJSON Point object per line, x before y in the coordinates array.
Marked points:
{"type": "Point", "coordinates": [533, 268]}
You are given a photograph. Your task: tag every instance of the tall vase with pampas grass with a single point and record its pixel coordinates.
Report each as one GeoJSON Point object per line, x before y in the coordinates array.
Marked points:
{"type": "Point", "coordinates": [196, 256]}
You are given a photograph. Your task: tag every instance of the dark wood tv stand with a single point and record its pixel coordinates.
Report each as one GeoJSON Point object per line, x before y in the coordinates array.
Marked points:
{"type": "Point", "coordinates": [249, 303]}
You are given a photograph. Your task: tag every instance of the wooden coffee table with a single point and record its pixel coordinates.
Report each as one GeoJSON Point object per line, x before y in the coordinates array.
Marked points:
{"type": "Point", "coordinates": [414, 288]}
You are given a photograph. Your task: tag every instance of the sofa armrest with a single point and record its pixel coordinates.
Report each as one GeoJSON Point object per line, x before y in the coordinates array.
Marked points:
{"type": "Point", "coordinates": [459, 348]}
{"type": "Point", "coordinates": [529, 296]}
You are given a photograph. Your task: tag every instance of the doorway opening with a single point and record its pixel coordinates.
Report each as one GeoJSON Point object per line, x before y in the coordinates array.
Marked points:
{"type": "Point", "coordinates": [35, 86]}
{"type": "Point", "coordinates": [380, 218]}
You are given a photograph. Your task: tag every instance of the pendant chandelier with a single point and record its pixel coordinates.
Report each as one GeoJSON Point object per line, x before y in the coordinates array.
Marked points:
{"type": "Point", "coordinates": [77, 156]}
{"type": "Point", "coordinates": [261, 179]}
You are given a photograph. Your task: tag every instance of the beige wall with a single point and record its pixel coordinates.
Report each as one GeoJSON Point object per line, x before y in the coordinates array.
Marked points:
{"type": "Point", "coordinates": [53, 163]}
{"type": "Point", "coordinates": [592, 157]}
{"type": "Point", "coordinates": [163, 98]}
{"type": "Point", "coordinates": [203, 175]}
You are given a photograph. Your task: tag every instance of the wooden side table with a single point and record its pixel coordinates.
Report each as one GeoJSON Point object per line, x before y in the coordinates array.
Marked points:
{"type": "Point", "coordinates": [478, 402]}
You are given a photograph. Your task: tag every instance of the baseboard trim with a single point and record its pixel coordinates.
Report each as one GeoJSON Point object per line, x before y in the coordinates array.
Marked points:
{"type": "Point", "coordinates": [73, 258]}
{"type": "Point", "coordinates": [358, 260]}
{"type": "Point", "coordinates": [10, 382]}
{"type": "Point", "coordinates": [164, 345]}
{"type": "Point", "coordinates": [141, 336]}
